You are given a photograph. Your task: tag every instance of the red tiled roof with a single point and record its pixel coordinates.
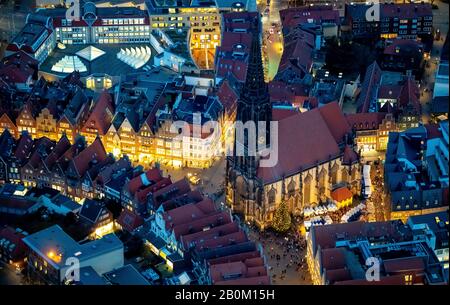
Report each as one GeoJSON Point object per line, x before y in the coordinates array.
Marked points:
{"type": "Point", "coordinates": [43, 144]}
{"type": "Point", "coordinates": [150, 177]}
{"type": "Point", "coordinates": [141, 194]}
{"type": "Point", "coordinates": [326, 236]}
{"type": "Point", "coordinates": [221, 272]}
{"type": "Point", "coordinates": [407, 10]}
{"type": "Point", "coordinates": [188, 213]}
{"type": "Point", "coordinates": [228, 228]}
{"type": "Point", "coordinates": [282, 92]}
{"type": "Point", "coordinates": [365, 120]}
{"type": "Point", "coordinates": [175, 189]}
{"type": "Point", "coordinates": [231, 39]}
{"type": "Point", "coordinates": [335, 119]}
{"type": "Point", "coordinates": [349, 156]}
{"type": "Point", "coordinates": [106, 173]}
{"type": "Point", "coordinates": [337, 275]}
{"type": "Point", "coordinates": [341, 194]}
{"type": "Point", "coordinates": [18, 67]}
{"type": "Point", "coordinates": [129, 220]}
{"type": "Point", "coordinates": [314, 140]}
{"type": "Point", "coordinates": [333, 258]}
{"type": "Point", "coordinates": [410, 95]}
{"type": "Point", "coordinates": [279, 114]}
{"type": "Point", "coordinates": [227, 96]}
{"type": "Point", "coordinates": [389, 92]}
{"type": "Point", "coordinates": [222, 241]}
{"type": "Point", "coordinates": [216, 218]}
{"type": "Point", "coordinates": [433, 131]}
{"type": "Point", "coordinates": [95, 151]}
{"type": "Point", "coordinates": [237, 68]}
{"type": "Point", "coordinates": [401, 265]}
{"type": "Point", "coordinates": [24, 147]}
{"type": "Point", "coordinates": [370, 83]}
{"type": "Point", "coordinates": [297, 53]}
{"type": "Point", "coordinates": [235, 257]}
{"type": "Point", "coordinates": [292, 17]}
{"type": "Point", "coordinates": [15, 238]}
{"type": "Point", "coordinates": [61, 147]}
{"type": "Point", "coordinates": [100, 118]}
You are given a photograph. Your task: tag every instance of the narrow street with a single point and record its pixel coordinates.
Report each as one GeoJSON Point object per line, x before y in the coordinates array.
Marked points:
{"type": "Point", "coordinates": [272, 37]}
{"type": "Point", "coordinates": [440, 21]}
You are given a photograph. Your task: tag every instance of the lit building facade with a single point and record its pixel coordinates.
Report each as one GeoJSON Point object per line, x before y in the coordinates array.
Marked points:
{"type": "Point", "coordinates": [201, 18]}
{"type": "Point", "coordinates": [401, 20]}
{"type": "Point", "coordinates": [103, 25]}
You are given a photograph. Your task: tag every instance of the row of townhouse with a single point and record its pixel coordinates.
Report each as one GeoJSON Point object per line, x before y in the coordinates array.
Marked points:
{"type": "Point", "coordinates": [144, 130]}
{"type": "Point", "coordinates": [78, 170]}
{"type": "Point", "coordinates": [190, 232]}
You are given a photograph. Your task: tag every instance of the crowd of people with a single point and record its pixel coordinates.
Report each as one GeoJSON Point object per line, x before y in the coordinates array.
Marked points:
{"type": "Point", "coordinates": [285, 254]}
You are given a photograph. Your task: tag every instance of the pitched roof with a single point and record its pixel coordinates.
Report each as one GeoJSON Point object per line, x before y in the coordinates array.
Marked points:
{"type": "Point", "coordinates": [314, 140]}
{"type": "Point", "coordinates": [175, 189]}
{"type": "Point", "coordinates": [41, 149]}
{"type": "Point", "coordinates": [61, 147]}
{"type": "Point", "coordinates": [227, 96]}
{"type": "Point", "coordinates": [349, 156]}
{"type": "Point", "coordinates": [341, 194]}
{"type": "Point", "coordinates": [93, 153]}
{"type": "Point", "coordinates": [279, 114]}
{"type": "Point", "coordinates": [15, 238]}
{"type": "Point", "coordinates": [410, 95]}
{"type": "Point", "coordinates": [334, 117]}
{"type": "Point", "coordinates": [317, 14]}
{"type": "Point", "coordinates": [371, 81]}
{"type": "Point", "coordinates": [24, 146]}
{"type": "Point", "coordinates": [18, 67]}
{"type": "Point", "coordinates": [129, 220]}
{"type": "Point", "coordinates": [389, 92]}
{"type": "Point", "coordinates": [148, 178]}
{"type": "Point", "coordinates": [101, 115]}
{"type": "Point", "coordinates": [91, 210]}
{"type": "Point", "coordinates": [365, 120]}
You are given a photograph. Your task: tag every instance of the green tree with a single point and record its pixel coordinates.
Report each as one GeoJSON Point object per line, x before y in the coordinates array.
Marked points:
{"type": "Point", "coordinates": [281, 219]}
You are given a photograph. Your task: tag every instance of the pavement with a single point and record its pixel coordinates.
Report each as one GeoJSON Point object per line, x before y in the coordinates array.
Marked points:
{"type": "Point", "coordinates": [211, 178]}
{"type": "Point", "coordinates": [8, 275]}
{"type": "Point", "coordinates": [285, 256]}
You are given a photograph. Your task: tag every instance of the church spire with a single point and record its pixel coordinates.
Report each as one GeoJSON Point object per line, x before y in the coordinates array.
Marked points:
{"type": "Point", "coordinates": [254, 87]}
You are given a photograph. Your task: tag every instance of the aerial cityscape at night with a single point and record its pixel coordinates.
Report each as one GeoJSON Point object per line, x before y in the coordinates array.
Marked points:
{"type": "Point", "coordinates": [224, 142]}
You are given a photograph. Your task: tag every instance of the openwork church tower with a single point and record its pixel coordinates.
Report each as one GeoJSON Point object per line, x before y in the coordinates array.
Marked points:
{"type": "Point", "coordinates": [243, 188]}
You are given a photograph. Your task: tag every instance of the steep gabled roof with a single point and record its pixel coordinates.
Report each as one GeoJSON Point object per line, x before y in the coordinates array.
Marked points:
{"type": "Point", "coordinates": [101, 115]}
{"type": "Point", "coordinates": [93, 153]}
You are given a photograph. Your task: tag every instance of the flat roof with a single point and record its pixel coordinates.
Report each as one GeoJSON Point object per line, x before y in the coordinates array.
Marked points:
{"type": "Point", "coordinates": [126, 275]}
{"type": "Point", "coordinates": [88, 276]}
{"type": "Point", "coordinates": [55, 246]}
